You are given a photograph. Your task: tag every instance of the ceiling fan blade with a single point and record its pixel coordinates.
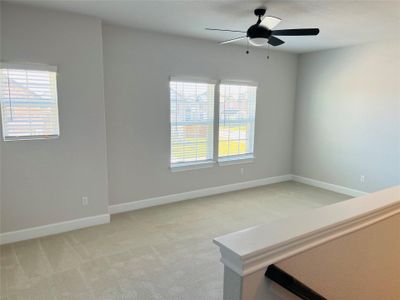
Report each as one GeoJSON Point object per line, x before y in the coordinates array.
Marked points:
{"type": "Point", "coordinates": [274, 41]}
{"type": "Point", "coordinates": [270, 22]}
{"type": "Point", "coordinates": [232, 40]}
{"type": "Point", "coordinates": [295, 32]}
{"type": "Point", "coordinates": [217, 29]}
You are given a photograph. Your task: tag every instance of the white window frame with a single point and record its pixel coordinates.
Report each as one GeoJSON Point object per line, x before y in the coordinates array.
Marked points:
{"type": "Point", "coordinates": [223, 161]}
{"type": "Point", "coordinates": [32, 67]}
{"type": "Point", "coordinates": [183, 166]}
{"type": "Point", "coordinates": [240, 158]}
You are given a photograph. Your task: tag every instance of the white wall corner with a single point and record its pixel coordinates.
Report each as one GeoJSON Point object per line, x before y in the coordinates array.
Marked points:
{"type": "Point", "coordinates": [135, 205]}
{"type": "Point", "coordinates": [50, 229]}
{"type": "Point", "coordinates": [329, 186]}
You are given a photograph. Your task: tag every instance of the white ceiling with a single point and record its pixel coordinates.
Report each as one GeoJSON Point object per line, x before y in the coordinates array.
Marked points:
{"type": "Point", "coordinates": [342, 23]}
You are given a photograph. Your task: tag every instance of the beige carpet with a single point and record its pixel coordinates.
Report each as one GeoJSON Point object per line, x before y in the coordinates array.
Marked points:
{"type": "Point", "coordinates": [164, 252]}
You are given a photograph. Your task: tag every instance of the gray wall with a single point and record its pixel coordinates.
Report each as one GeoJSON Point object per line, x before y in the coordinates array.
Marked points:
{"type": "Point", "coordinates": [347, 120]}
{"type": "Point", "coordinates": [1, 144]}
{"type": "Point", "coordinates": [137, 66]}
{"type": "Point", "coordinates": [43, 181]}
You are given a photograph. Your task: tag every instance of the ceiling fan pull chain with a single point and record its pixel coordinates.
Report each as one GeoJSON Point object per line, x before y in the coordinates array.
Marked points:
{"type": "Point", "coordinates": [268, 51]}
{"type": "Point", "coordinates": [247, 51]}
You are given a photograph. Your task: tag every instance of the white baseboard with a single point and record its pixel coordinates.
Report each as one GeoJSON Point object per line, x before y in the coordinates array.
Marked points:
{"type": "Point", "coordinates": [329, 186]}
{"type": "Point", "coordinates": [134, 205]}
{"type": "Point", "coordinates": [40, 231]}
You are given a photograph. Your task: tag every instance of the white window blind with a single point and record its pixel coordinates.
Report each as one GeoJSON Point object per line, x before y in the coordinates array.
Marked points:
{"type": "Point", "coordinates": [192, 121]}
{"type": "Point", "coordinates": [29, 102]}
{"type": "Point", "coordinates": [237, 107]}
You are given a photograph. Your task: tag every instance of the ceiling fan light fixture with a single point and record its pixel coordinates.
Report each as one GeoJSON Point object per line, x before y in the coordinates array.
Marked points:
{"type": "Point", "coordinates": [258, 41]}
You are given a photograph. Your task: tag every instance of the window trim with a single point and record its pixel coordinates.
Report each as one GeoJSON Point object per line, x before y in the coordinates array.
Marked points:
{"type": "Point", "coordinates": [236, 159]}
{"type": "Point", "coordinates": [200, 164]}
{"type": "Point", "coordinates": [186, 166]}
{"type": "Point", "coordinates": [216, 160]}
{"type": "Point", "coordinates": [31, 138]}
{"type": "Point", "coordinates": [28, 66]}
{"type": "Point", "coordinates": [193, 79]}
{"type": "Point", "coordinates": [239, 82]}
{"type": "Point", "coordinates": [239, 158]}
{"type": "Point", "coordinates": [32, 67]}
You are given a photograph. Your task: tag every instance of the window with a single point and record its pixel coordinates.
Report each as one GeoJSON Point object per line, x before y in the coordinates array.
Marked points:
{"type": "Point", "coordinates": [237, 107]}
{"type": "Point", "coordinates": [192, 122]}
{"type": "Point", "coordinates": [28, 102]}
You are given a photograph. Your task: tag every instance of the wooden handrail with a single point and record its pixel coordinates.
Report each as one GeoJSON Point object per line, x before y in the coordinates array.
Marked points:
{"type": "Point", "coordinates": [292, 284]}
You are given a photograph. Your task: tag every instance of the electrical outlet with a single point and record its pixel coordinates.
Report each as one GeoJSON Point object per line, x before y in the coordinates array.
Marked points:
{"type": "Point", "coordinates": [85, 200]}
{"type": "Point", "coordinates": [362, 179]}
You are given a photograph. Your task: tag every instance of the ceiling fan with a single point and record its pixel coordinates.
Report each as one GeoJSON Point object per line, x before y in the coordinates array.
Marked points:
{"type": "Point", "coordinates": [261, 33]}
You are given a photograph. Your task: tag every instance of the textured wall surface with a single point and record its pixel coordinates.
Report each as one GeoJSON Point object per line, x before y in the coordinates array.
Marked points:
{"type": "Point", "coordinates": [44, 180]}
{"type": "Point", "coordinates": [137, 67]}
{"type": "Point", "coordinates": [347, 116]}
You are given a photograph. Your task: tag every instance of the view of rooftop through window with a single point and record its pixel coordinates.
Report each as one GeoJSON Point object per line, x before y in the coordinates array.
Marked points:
{"type": "Point", "coordinates": [28, 104]}
{"type": "Point", "coordinates": [192, 121]}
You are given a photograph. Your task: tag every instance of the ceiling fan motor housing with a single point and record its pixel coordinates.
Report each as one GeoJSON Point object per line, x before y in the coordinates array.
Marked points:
{"type": "Point", "coordinates": [258, 35]}
{"type": "Point", "coordinates": [258, 31]}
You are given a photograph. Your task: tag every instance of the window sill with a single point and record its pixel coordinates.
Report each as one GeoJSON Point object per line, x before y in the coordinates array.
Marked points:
{"type": "Point", "coordinates": [234, 160]}
{"type": "Point", "coordinates": [30, 138]}
{"type": "Point", "coordinates": [191, 166]}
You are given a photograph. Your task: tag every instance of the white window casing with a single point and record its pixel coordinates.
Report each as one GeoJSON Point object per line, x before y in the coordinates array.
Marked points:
{"type": "Point", "coordinates": [29, 101]}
